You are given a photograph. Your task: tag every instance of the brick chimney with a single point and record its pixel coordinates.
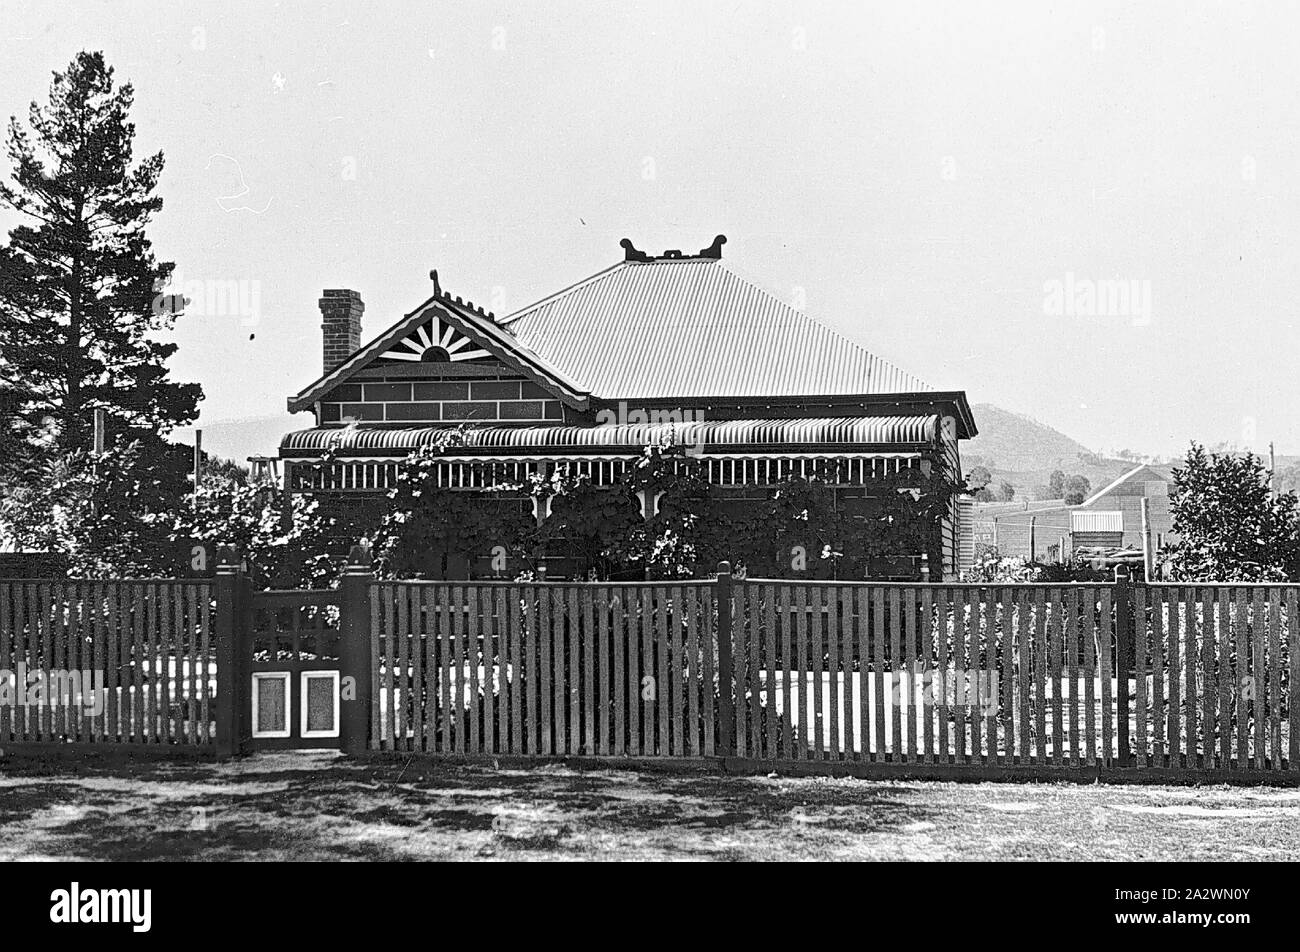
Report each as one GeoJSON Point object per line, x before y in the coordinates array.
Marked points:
{"type": "Point", "coordinates": [341, 311]}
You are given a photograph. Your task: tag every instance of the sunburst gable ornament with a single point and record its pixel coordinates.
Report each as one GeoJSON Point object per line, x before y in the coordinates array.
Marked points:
{"type": "Point", "coordinates": [435, 342]}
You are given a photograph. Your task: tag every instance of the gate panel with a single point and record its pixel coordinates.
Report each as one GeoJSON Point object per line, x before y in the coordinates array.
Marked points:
{"type": "Point", "coordinates": [293, 648]}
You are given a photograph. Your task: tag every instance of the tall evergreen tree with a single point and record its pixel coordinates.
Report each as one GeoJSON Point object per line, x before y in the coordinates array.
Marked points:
{"type": "Point", "coordinates": [80, 309]}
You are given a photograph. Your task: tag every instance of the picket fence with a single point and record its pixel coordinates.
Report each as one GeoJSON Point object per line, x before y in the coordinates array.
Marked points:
{"type": "Point", "coordinates": [1113, 679]}
{"type": "Point", "coordinates": [1082, 676]}
{"type": "Point", "coordinates": [107, 662]}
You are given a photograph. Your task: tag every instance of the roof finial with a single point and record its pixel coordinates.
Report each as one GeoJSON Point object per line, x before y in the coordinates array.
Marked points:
{"type": "Point", "coordinates": [714, 250]}
{"type": "Point", "coordinates": [437, 288]}
{"type": "Point", "coordinates": [630, 253]}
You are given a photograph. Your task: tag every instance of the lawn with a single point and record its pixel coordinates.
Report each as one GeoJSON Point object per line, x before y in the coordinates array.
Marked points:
{"type": "Point", "coordinates": [321, 806]}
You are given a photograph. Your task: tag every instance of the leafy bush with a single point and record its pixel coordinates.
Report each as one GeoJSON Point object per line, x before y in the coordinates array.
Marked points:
{"type": "Point", "coordinates": [130, 513]}
{"type": "Point", "coordinates": [795, 529]}
{"type": "Point", "coordinates": [1229, 524]}
{"type": "Point", "coordinates": [993, 568]}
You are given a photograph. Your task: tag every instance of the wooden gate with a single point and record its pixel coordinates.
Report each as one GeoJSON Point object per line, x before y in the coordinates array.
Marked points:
{"type": "Point", "coordinates": [292, 646]}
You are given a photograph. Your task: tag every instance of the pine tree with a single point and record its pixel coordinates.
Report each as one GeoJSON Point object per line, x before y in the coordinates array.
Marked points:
{"type": "Point", "coordinates": [80, 309]}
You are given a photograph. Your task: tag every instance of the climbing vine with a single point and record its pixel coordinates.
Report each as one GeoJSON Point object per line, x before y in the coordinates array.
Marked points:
{"type": "Point", "coordinates": [662, 519]}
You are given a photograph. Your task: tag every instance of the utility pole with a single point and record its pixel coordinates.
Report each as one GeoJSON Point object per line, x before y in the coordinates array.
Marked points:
{"type": "Point", "coordinates": [1272, 471]}
{"type": "Point", "coordinates": [1146, 538]}
{"type": "Point", "coordinates": [97, 450]}
{"type": "Point", "coordinates": [198, 465]}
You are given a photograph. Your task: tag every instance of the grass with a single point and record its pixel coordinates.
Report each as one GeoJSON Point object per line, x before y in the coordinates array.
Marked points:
{"type": "Point", "coordinates": [324, 807]}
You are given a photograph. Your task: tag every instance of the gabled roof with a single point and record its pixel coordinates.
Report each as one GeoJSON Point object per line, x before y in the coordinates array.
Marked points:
{"type": "Point", "coordinates": [669, 328]}
{"type": "Point", "coordinates": [1155, 476]}
{"type": "Point", "coordinates": [479, 328]}
{"type": "Point", "coordinates": [692, 327]}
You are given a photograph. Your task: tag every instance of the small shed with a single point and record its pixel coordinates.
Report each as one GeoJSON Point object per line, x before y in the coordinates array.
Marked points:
{"type": "Point", "coordinates": [1090, 528]}
{"type": "Point", "coordinates": [1125, 495]}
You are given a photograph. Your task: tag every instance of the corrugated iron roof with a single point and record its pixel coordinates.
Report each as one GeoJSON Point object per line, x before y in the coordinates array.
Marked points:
{"type": "Point", "coordinates": [1096, 521]}
{"type": "Point", "coordinates": [796, 435]}
{"type": "Point", "coordinates": [693, 327]}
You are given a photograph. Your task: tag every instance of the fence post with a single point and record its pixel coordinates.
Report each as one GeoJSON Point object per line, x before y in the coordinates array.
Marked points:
{"type": "Point", "coordinates": [1123, 659]}
{"type": "Point", "coordinates": [230, 639]}
{"type": "Point", "coordinates": [355, 655]}
{"type": "Point", "coordinates": [726, 684]}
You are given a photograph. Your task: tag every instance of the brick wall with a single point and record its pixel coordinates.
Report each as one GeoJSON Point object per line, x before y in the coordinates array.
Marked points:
{"type": "Point", "coordinates": [340, 311]}
{"type": "Point", "coordinates": [501, 399]}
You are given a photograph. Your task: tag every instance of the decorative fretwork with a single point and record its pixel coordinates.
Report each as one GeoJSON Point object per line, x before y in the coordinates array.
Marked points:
{"type": "Point", "coordinates": [436, 342]}
{"type": "Point", "coordinates": [381, 475]}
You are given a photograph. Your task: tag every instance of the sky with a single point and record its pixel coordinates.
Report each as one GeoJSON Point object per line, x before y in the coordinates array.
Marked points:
{"type": "Point", "coordinates": [947, 184]}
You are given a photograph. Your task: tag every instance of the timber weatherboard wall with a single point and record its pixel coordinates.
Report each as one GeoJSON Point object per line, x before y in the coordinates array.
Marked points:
{"type": "Point", "coordinates": [950, 528]}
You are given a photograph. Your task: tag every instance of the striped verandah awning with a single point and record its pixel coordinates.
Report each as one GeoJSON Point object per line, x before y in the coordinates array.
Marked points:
{"type": "Point", "coordinates": [864, 434]}
{"type": "Point", "coordinates": [732, 452]}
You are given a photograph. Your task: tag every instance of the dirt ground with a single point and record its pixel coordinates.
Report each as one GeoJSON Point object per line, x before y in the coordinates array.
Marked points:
{"type": "Point", "coordinates": [321, 807]}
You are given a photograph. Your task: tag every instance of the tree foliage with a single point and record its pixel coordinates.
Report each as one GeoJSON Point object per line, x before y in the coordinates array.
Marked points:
{"type": "Point", "coordinates": [1288, 478]}
{"type": "Point", "coordinates": [99, 512]}
{"type": "Point", "coordinates": [80, 312]}
{"type": "Point", "coordinates": [125, 515]}
{"type": "Point", "coordinates": [794, 529]}
{"type": "Point", "coordinates": [1056, 484]}
{"type": "Point", "coordinates": [247, 519]}
{"type": "Point", "coordinates": [1077, 489]}
{"type": "Point", "coordinates": [1230, 526]}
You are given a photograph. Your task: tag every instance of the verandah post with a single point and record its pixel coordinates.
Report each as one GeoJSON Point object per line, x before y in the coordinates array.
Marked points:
{"type": "Point", "coordinates": [231, 626]}
{"type": "Point", "coordinates": [355, 652]}
{"type": "Point", "coordinates": [726, 685]}
{"type": "Point", "coordinates": [1123, 659]}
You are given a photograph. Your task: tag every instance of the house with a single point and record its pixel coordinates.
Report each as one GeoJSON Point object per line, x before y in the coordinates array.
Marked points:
{"type": "Point", "coordinates": [674, 347]}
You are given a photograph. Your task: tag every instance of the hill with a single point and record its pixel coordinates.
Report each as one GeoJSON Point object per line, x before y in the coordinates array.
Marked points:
{"type": "Point", "coordinates": [1015, 442]}
{"type": "Point", "coordinates": [1023, 451]}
